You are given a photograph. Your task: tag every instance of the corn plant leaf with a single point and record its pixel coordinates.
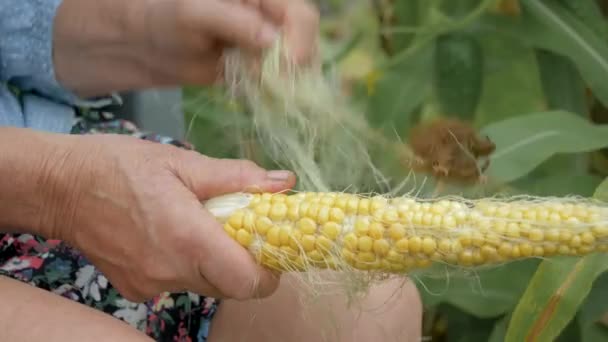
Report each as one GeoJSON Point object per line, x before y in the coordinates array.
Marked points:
{"type": "Point", "coordinates": [550, 25]}
{"type": "Point", "coordinates": [555, 293]}
{"type": "Point", "coordinates": [486, 294]}
{"type": "Point", "coordinates": [525, 141]}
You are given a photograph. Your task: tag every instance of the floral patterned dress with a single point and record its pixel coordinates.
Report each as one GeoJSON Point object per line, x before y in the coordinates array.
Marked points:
{"type": "Point", "coordinates": [54, 266]}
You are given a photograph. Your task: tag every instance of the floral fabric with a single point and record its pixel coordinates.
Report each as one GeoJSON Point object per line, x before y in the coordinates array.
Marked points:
{"type": "Point", "coordinates": [54, 266]}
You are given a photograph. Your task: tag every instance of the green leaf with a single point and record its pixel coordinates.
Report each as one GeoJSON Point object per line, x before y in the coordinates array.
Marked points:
{"type": "Point", "coordinates": [524, 142]}
{"type": "Point", "coordinates": [486, 294]}
{"type": "Point", "coordinates": [550, 26]}
{"type": "Point", "coordinates": [500, 330]}
{"type": "Point", "coordinates": [555, 293]}
{"type": "Point", "coordinates": [399, 92]}
{"type": "Point", "coordinates": [562, 84]}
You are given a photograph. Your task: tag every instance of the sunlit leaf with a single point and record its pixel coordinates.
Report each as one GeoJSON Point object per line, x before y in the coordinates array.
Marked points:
{"type": "Point", "coordinates": [524, 142]}
{"type": "Point", "coordinates": [555, 293]}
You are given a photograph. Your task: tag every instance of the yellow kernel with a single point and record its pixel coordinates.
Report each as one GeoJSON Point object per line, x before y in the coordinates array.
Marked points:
{"type": "Point", "coordinates": [477, 239]}
{"type": "Point", "coordinates": [460, 217]}
{"type": "Point", "coordinates": [307, 226]}
{"type": "Point", "coordinates": [323, 215]}
{"type": "Point", "coordinates": [478, 257]}
{"type": "Point", "coordinates": [229, 230]}
{"type": "Point", "coordinates": [365, 244]}
{"type": "Point", "coordinates": [267, 197]}
{"type": "Point", "coordinates": [489, 252]}
{"type": "Point", "coordinates": [466, 257]}
{"type": "Point", "coordinates": [378, 202]}
{"type": "Point", "coordinates": [602, 248]}
{"type": "Point", "coordinates": [364, 206]}
{"type": "Point", "coordinates": [278, 211]}
{"type": "Point", "coordinates": [352, 205]}
{"type": "Point", "coordinates": [465, 238]}
{"type": "Point", "coordinates": [313, 211]}
{"type": "Point", "coordinates": [515, 215]}
{"type": "Point", "coordinates": [505, 249]}
{"type": "Point", "coordinates": [417, 219]}
{"type": "Point", "coordinates": [429, 245]}
{"type": "Point", "coordinates": [362, 226]}
{"type": "Point", "coordinates": [415, 244]}
{"type": "Point", "coordinates": [262, 209]}
{"type": "Point", "coordinates": [402, 245]}
{"type": "Point", "coordinates": [341, 201]}
{"type": "Point", "coordinates": [582, 250]}
{"type": "Point", "coordinates": [536, 235]}
{"type": "Point", "coordinates": [394, 256]}
{"type": "Point", "coordinates": [366, 257]}
{"type": "Point", "coordinates": [249, 221]}
{"type": "Point", "coordinates": [512, 230]}
{"type": "Point", "coordinates": [427, 219]}
{"type": "Point", "coordinates": [391, 216]}
{"type": "Point", "coordinates": [600, 231]}
{"type": "Point", "coordinates": [538, 251]}
{"type": "Point", "coordinates": [445, 245]}
{"type": "Point", "coordinates": [324, 244]}
{"type": "Point", "coordinates": [285, 235]}
{"type": "Point", "coordinates": [293, 212]}
{"type": "Point", "coordinates": [449, 221]}
{"type": "Point", "coordinates": [348, 255]}
{"type": "Point", "coordinates": [575, 241]}
{"type": "Point", "coordinates": [529, 215]}
{"type": "Point", "coordinates": [587, 238]}
{"type": "Point", "coordinates": [526, 249]}
{"type": "Point", "coordinates": [500, 227]}
{"type": "Point", "coordinates": [296, 240]}
{"type": "Point", "coordinates": [273, 236]}
{"type": "Point", "coordinates": [554, 218]}
{"type": "Point", "coordinates": [563, 250]}
{"type": "Point", "coordinates": [436, 221]}
{"type": "Point", "coordinates": [292, 201]}
{"type": "Point", "coordinates": [422, 263]}
{"type": "Point", "coordinates": [552, 235]}
{"type": "Point", "coordinates": [308, 243]}
{"type": "Point", "coordinates": [516, 252]}
{"type": "Point", "coordinates": [493, 239]}
{"type": "Point", "coordinates": [243, 237]}
{"type": "Point", "coordinates": [279, 198]}
{"type": "Point", "coordinates": [396, 231]}
{"type": "Point", "coordinates": [565, 236]}
{"type": "Point", "coordinates": [236, 219]}
{"type": "Point", "coordinates": [457, 247]}
{"type": "Point", "coordinates": [331, 230]}
{"type": "Point", "coordinates": [351, 241]}
{"type": "Point", "coordinates": [381, 247]}
{"type": "Point", "coordinates": [336, 215]}
{"type": "Point", "coordinates": [328, 200]}
{"type": "Point", "coordinates": [376, 230]}
{"type": "Point", "coordinates": [550, 248]}
{"type": "Point", "coordinates": [288, 251]}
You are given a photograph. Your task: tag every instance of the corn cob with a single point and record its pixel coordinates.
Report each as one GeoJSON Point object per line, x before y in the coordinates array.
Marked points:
{"type": "Point", "coordinates": [303, 231]}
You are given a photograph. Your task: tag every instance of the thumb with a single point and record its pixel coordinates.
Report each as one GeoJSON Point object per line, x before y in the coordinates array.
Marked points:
{"type": "Point", "coordinates": [209, 177]}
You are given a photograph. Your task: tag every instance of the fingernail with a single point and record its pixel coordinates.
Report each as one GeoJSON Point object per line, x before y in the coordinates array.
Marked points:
{"type": "Point", "coordinates": [268, 35]}
{"type": "Point", "coordinates": [278, 175]}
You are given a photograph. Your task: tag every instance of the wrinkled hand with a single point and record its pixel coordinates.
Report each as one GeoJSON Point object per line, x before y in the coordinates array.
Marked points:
{"type": "Point", "coordinates": [133, 208]}
{"type": "Point", "coordinates": [151, 43]}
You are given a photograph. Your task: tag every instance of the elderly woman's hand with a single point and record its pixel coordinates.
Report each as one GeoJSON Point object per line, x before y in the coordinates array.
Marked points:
{"type": "Point", "coordinates": [113, 45]}
{"type": "Point", "coordinates": [133, 208]}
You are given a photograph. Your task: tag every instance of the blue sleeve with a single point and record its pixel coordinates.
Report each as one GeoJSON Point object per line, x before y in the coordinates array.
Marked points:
{"type": "Point", "coordinates": [26, 51]}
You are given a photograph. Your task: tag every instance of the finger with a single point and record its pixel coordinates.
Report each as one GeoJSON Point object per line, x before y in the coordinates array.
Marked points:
{"type": "Point", "coordinates": [210, 177]}
{"type": "Point", "coordinates": [299, 21]}
{"type": "Point", "coordinates": [232, 22]}
{"type": "Point", "coordinates": [225, 264]}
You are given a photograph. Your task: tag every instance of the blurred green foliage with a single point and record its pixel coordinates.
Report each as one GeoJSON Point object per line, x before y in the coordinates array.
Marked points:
{"type": "Point", "coordinates": [533, 76]}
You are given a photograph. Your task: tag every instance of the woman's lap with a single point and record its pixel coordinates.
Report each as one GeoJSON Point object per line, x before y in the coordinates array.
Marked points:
{"type": "Point", "coordinates": [54, 266]}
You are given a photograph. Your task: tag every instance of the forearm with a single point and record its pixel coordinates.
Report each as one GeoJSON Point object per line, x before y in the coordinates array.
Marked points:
{"type": "Point", "coordinates": [30, 314]}
{"type": "Point", "coordinates": [34, 180]}
{"type": "Point", "coordinates": [99, 46]}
